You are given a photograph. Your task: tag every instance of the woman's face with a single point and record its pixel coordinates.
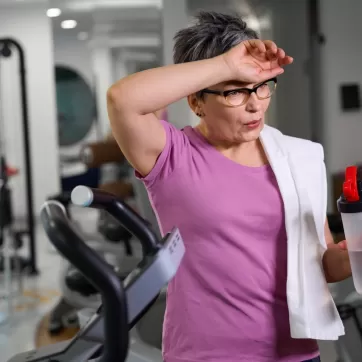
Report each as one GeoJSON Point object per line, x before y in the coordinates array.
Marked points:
{"type": "Point", "coordinates": [225, 119]}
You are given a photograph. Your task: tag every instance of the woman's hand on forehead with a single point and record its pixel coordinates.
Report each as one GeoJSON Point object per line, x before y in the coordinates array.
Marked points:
{"type": "Point", "coordinates": [254, 61]}
{"type": "Point", "coordinates": [265, 51]}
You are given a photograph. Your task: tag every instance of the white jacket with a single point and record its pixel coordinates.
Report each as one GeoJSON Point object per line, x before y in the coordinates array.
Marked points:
{"type": "Point", "coordinates": [300, 171]}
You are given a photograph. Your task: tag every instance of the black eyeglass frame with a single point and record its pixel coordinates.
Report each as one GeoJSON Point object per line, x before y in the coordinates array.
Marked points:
{"type": "Point", "coordinates": [226, 93]}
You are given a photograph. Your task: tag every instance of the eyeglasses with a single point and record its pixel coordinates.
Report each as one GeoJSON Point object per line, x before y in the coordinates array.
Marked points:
{"type": "Point", "coordinates": [239, 96]}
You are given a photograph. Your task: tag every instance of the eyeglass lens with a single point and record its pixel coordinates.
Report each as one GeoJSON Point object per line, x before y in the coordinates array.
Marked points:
{"type": "Point", "coordinates": [263, 91]}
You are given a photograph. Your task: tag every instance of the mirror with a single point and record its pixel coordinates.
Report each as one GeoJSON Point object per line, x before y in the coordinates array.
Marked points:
{"type": "Point", "coordinates": [75, 105]}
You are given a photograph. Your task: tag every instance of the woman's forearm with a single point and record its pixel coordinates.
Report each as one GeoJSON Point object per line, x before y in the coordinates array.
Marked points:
{"type": "Point", "coordinates": [150, 90]}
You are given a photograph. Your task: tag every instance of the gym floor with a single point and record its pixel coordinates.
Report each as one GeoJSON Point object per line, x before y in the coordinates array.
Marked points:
{"type": "Point", "coordinates": [39, 295]}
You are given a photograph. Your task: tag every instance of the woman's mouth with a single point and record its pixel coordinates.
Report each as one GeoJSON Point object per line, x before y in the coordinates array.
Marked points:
{"type": "Point", "coordinates": [253, 124]}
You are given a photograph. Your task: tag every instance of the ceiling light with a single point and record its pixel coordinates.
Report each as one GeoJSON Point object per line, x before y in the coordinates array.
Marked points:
{"type": "Point", "coordinates": [54, 12]}
{"type": "Point", "coordinates": [68, 24]}
{"type": "Point", "coordinates": [83, 35]}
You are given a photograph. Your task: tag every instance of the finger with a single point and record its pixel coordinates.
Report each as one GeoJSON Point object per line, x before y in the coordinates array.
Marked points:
{"type": "Point", "coordinates": [271, 46]}
{"type": "Point", "coordinates": [270, 73]}
{"type": "Point", "coordinates": [257, 44]}
{"type": "Point", "coordinates": [271, 55]}
{"type": "Point", "coordinates": [285, 61]}
{"type": "Point", "coordinates": [282, 58]}
{"type": "Point", "coordinates": [280, 53]}
{"type": "Point", "coordinates": [278, 58]}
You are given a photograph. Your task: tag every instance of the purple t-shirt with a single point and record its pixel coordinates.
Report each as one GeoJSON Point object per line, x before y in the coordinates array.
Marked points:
{"type": "Point", "coordinates": [227, 302]}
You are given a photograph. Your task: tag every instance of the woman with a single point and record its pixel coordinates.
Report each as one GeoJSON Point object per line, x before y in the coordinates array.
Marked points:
{"type": "Point", "coordinates": [242, 292]}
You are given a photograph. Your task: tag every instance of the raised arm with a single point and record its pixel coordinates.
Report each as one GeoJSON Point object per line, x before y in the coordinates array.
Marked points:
{"type": "Point", "coordinates": [133, 100]}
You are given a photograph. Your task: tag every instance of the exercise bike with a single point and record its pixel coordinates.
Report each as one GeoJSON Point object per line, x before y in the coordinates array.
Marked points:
{"type": "Point", "coordinates": [105, 338]}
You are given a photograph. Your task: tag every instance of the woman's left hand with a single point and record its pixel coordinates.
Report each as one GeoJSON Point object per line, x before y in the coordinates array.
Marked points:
{"type": "Point", "coordinates": [336, 262]}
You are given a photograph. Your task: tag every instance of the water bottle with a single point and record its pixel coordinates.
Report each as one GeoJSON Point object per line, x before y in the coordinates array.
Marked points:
{"type": "Point", "coordinates": [350, 207]}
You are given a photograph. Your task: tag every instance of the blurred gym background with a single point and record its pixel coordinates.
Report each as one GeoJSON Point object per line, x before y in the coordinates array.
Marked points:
{"type": "Point", "coordinates": [54, 129]}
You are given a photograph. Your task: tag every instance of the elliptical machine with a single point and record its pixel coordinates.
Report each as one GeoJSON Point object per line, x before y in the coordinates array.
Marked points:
{"type": "Point", "coordinates": [77, 292]}
{"type": "Point", "coordinates": [105, 338]}
{"type": "Point", "coordinates": [111, 240]}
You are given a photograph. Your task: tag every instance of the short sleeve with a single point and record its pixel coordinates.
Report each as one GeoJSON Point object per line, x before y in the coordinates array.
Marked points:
{"type": "Point", "coordinates": [173, 156]}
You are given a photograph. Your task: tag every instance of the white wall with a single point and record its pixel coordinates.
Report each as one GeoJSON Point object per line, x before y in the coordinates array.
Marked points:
{"type": "Point", "coordinates": [103, 67]}
{"type": "Point", "coordinates": [290, 32]}
{"type": "Point", "coordinates": [30, 26]}
{"type": "Point", "coordinates": [70, 51]}
{"type": "Point", "coordinates": [175, 17]}
{"type": "Point", "coordinates": [121, 65]}
{"type": "Point", "coordinates": [342, 62]}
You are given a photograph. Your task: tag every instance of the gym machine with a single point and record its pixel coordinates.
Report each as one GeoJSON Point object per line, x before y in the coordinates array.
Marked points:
{"type": "Point", "coordinates": [105, 338]}
{"type": "Point", "coordinates": [10, 241]}
{"type": "Point", "coordinates": [102, 155]}
{"type": "Point", "coordinates": [77, 293]}
{"type": "Point", "coordinates": [30, 265]}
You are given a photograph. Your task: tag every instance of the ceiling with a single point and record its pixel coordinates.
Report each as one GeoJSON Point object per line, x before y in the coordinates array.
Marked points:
{"type": "Point", "coordinates": [115, 17]}
{"type": "Point", "coordinates": [110, 17]}
{"type": "Point", "coordinates": [125, 21]}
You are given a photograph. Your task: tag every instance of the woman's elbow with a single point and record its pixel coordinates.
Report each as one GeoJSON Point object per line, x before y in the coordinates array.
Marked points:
{"type": "Point", "coordinates": [114, 96]}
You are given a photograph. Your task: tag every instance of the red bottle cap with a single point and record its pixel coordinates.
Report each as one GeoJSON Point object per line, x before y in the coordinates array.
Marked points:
{"type": "Point", "coordinates": [350, 189]}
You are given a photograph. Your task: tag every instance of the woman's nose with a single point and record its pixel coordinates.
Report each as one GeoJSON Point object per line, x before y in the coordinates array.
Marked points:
{"type": "Point", "coordinates": [253, 104]}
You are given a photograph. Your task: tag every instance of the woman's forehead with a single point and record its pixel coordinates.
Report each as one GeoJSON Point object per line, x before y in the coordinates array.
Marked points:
{"type": "Point", "coordinates": [235, 84]}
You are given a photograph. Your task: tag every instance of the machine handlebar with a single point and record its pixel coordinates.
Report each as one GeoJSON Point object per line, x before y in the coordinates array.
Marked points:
{"type": "Point", "coordinates": [88, 197]}
{"type": "Point", "coordinates": [67, 241]}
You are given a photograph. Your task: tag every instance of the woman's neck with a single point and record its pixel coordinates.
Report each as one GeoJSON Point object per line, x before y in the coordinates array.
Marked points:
{"type": "Point", "coordinates": [249, 153]}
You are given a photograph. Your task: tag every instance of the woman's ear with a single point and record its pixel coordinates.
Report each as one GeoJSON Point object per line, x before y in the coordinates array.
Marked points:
{"type": "Point", "coordinates": [194, 103]}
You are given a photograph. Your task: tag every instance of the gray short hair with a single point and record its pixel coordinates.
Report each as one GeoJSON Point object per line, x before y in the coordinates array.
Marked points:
{"type": "Point", "coordinates": [211, 35]}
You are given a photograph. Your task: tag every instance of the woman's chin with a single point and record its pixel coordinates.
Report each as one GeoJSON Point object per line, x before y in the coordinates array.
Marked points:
{"type": "Point", "coordinates": [252, 134]}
